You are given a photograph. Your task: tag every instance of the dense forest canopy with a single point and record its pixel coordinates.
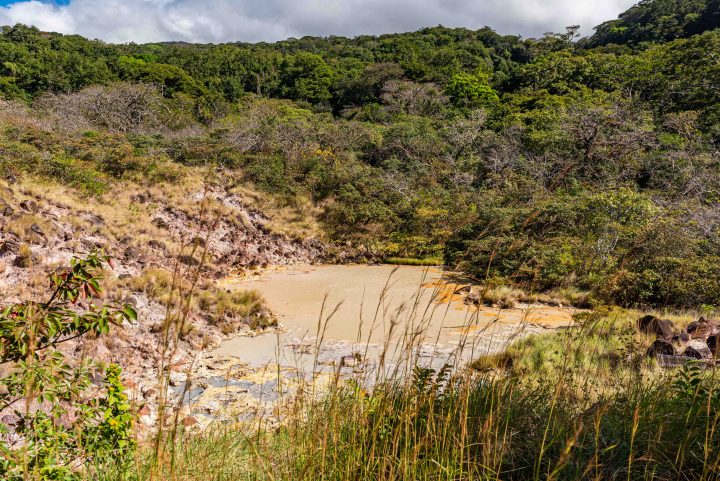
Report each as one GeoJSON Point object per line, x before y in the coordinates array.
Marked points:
{"type": "Point", "coordinates": [659, 21]}
{"type": "Point", "coordinates": [546, 163]}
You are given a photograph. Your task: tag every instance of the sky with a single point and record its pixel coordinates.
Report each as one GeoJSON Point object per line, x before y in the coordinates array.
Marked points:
{"type": "Point", "coordinates": [121, 21]}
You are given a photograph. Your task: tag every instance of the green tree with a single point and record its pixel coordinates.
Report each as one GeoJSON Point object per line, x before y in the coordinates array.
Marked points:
{"type": "Point", "coordinates": [306, 76]}
{"type": "Point", "coordinates": [471, 90]}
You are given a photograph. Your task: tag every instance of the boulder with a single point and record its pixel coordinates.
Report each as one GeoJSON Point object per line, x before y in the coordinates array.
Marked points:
{"type": "Point", "coordinates": [697, 349]}
{"type": "Point", "coordinates": [712, 343]}
{"type": "Point", "coordinates": [132, 252]}
{"type": "Point", "coordinates": [702, 328]}
{"type": "Point", "coordinates": [681, 338]}
{"type": "Point", "coordinates": [662, 328]}
{"type": "Point", "coordinates": [10, 246]}
{"type": "Point", "coordinates": [30, 206]}
{"type": "Point", "coordinates": [661, 346]}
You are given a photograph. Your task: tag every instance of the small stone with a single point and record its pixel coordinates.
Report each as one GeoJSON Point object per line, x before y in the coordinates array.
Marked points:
{"type": "Point", "coordinates": [95, 220]}
{"type": "Point", "coordinates": [132, 252]}
{"type": "Point", "coordinates": [36, 229]}
{"type": "Point", "coordinates": [131, 300]}
{"type": "Point", "coordinates": [160, 222]}
{"type": "Point", "coordinates": [150, 393]}
{"type": "Point", "coordinates": [177, 378]}
{"type": "Point", "coordinates": [92, 244]}
{"type": "Point", "coordinates": [156, 244]}
{"type": "Point", "coordinates": [189, 421]}
{"type": "Point", "coordinates": [30, 206]}
{"type": "Point", "coordinates": [188, 260]}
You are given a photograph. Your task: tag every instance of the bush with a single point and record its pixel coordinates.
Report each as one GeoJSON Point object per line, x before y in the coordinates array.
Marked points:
{"type": "Point", "coordinates": [61, 424]}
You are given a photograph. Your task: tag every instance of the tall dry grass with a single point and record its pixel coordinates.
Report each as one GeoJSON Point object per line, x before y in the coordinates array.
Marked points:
{"type": "Point", "coordinates": [583, 403]}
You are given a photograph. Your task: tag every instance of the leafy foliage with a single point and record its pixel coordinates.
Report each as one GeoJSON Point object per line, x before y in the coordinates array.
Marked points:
{"type": "Point", "coordinates": [546, 163]}
{"type": "Point", "coordinates": [659, 21]}
{"type": "Point", "coordinates": [53, 425]}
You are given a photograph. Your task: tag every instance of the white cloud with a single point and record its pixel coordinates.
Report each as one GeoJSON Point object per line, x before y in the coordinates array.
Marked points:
{"type": "Point", "coordinates": [269, 20]}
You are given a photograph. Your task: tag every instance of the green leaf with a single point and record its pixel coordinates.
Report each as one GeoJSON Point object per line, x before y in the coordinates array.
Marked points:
{"type": "Point", "coordinates": [130, 312]}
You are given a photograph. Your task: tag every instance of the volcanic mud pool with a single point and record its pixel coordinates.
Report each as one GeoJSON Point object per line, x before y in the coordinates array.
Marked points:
{"type": "Point", "coordinates": [364, 321]}
{"type": "Point", "coordinates": [330, 312]}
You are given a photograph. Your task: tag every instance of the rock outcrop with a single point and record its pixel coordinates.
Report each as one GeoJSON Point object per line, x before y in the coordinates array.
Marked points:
{"type": "Point", "coordinates": [210, 231]}
{"type": "Point", "coordinates": [698, 340]}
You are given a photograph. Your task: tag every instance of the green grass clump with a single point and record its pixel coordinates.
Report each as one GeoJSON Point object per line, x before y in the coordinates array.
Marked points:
{"type": "Point", "coordinates": [413, 261]}
{"type": "Point", "coordinates": [229, 308]}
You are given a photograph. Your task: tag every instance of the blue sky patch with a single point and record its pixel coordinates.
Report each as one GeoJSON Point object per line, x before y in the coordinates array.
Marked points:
{"type": "Point", "coordinates": [4, 3]}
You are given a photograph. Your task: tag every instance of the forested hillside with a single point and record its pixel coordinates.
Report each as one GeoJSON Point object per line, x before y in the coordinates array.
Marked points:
{"type": "Point", "coordinates": [548, 164]}
{"type": "Point", "coordinates": [659, 21]}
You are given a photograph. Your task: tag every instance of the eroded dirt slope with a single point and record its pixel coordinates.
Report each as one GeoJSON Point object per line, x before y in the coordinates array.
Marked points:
{"type": "Point", "coordinates": [150, 233]}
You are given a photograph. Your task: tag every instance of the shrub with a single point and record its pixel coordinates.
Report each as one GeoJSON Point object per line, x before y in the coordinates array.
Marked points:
{"type": "Point", "coordinates": [61, 423]}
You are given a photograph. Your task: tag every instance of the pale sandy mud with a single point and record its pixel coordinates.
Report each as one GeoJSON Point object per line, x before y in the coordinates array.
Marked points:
{"type": "Point", "coordinates": [361, 321]}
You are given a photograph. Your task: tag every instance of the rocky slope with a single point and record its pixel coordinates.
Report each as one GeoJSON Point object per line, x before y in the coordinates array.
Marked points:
{"type": "Point", "coordinates": [150, 233]}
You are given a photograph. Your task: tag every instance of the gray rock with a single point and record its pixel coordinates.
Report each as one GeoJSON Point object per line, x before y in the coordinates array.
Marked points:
{"type": "Point", "coordinates": [95, 220]}
{"type": "Point", "coordinates": [156, 244]}
{"type": "Point", "coordinates": [661, 346]}
{"type": "Point", "coordinates": [698, 350]}
{"type": "Point", "coordinates": [132, 252]}
{"type": "Point", "coordinates": [160, 222]}
{"type": "Point", "coordinates": [30, 206]}
{"type": "Point", "coordinates": [36, 229]}
{"type": "Point", "coordinates": [10, 246]}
